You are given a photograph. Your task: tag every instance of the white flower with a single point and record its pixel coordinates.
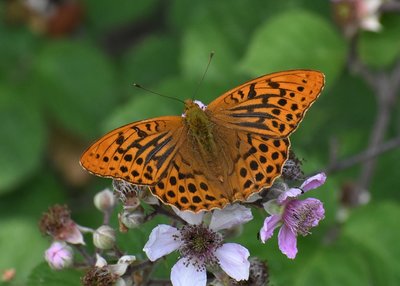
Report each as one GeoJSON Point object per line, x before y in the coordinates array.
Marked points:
{"type": "Point", "coordinates": [201, 245]}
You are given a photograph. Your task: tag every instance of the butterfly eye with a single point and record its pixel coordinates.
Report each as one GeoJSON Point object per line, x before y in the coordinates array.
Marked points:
{"type": "Point", "coordinates": [200, 104]}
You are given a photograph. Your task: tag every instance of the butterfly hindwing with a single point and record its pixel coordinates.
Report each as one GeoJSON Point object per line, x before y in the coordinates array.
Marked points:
{"type": "Point", "coordinates": [186, 185]}
{"type": "Point", "coordinates": [258, 161]}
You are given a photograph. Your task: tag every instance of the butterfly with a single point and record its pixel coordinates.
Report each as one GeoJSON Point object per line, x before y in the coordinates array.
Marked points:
{"type": "Point", "coordinates": [216, 155]}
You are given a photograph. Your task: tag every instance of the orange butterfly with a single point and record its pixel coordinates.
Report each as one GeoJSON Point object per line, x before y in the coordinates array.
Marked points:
{"type": "Point", "coordinates": [212, 156]}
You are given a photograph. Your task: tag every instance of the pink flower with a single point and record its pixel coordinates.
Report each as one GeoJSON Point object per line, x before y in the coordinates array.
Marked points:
{"type": "Point", "coordinates": [294, 216]}
{"type": "Point", "coordinates": [59, 255]}
{"type": "Point", "coordinates": [201, 245]}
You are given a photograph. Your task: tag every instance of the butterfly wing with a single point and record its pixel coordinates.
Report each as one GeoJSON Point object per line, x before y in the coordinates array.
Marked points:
{"type": "Point", "coordinates": [188, 184]}
{"type": "Point", "coordinates": [272, 105]}
{"type": "Point", "coordinates": [254, 161]}
{"type": "Point", "coordinates": [254, 121]}
{"type": "Point", "coordinates": [139, 152]}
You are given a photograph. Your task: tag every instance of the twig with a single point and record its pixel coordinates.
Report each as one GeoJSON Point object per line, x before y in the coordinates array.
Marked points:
{"type": "Point", "coordinates": [88, 258]}
{"type": "Point", "coordinates": [385, 87]}
{"type": "Point", "coordinates": [144, 264]}
{"type": "Point", "coordinates": [392, 6]}
{"type": "Point", "coordinates": [336, 166]}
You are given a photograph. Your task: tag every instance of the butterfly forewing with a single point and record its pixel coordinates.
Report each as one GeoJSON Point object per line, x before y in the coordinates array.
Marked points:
{"type": "Point", "coordinates": [272, 105]}
{"type": "Point", "coordinates": [138, 152]}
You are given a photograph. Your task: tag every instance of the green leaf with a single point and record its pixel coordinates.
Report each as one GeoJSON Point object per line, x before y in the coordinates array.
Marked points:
{"type": "Point", "coordinates": [374, 228]}
{"type": "Point", "coordinates": [382, 48]}
{"type": "Point", "coordinates": [295, 39]}
{"type": "Point", "coordinates": [23, 137]}
{"type": "Point", "coordinates": [77, 83]}
{"type": "Point", "coordinates": [43, 275]}
{"type": "Point", "coordinates": [198, 42]}
{"type": "Point", "coordinates": [328, 267]}
{"type": "Point", "coordinates": [43, 186]}
{"type": "Point", "coordinates": [21, 246]}
{"type": "Point", "coordinates": [15, 52]}
{"type": "Point", "coordinates": [147, 63]}
{"type": "Point", "coordinates": [104, 15]}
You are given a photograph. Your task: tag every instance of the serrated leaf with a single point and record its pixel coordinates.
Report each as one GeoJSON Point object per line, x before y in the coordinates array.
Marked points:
{"type": "Point", "coordinates": [77, 83]}
{"type": "Point", "coordinates": [382, 48]}
{"type": "Point", "coordinates": [44, 275]}
{"type": "Point", "coordinates": [295, 39]}
{"type": "Point", "coordinates": [23, 137]}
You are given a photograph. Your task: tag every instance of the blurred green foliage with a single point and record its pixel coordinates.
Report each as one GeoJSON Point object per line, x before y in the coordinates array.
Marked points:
{"type": "Point", "coordinates": [58, 92]}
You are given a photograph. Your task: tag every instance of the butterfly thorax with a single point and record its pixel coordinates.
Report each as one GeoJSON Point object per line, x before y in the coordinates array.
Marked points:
{"type": "Point", "coordinates": [200, 128]}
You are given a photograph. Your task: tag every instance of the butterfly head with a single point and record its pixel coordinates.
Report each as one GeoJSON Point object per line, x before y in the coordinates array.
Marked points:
{"type": "Point", "coordinates": [193, 106]}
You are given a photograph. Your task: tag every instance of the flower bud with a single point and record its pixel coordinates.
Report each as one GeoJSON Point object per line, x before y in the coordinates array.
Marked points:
{"type": "Point", "coordinates": [104, 200]}
{"type": "Point", "coordinates": [104, 237]}
{"type": "Point", "coordinates": [59, 255]}
{"type": "Point", "coordinates": [132, 219]}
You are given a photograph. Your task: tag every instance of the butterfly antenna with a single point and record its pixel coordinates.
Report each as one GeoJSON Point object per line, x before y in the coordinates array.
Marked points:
{"type": "Point", "coordinates": [204, 74]}
{"type": "Point", "coordinates": [153, 92]}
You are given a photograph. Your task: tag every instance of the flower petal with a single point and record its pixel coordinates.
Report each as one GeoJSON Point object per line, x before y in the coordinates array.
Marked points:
{"type": "Point", "coordinates": [161, 242]}
{"type": "Point", "coordinates": [233, 259]}
{"type": "Point", "coordinates": [183, 274]}
{"type": "Point", "coordinates": [230, 216]}
{"type": "Point", "coordinates": [287, 241]}
{"type": "Point", "coordinates": [291, 193]}
{"type": "Point", "coordinates": [100, 261]}
{"type": "Point", "coordinates": [270, 223]}
{"type": "Point", "coordinates": [313, 182]}
{"type": "Point", "coordinates": [122, 264]}
{"type": "Point", "coordinates": [253, 197]}
{"type": "Point", "coordinates": [72, 234]}
{"type": "Point", "coordinates": [188, 216]}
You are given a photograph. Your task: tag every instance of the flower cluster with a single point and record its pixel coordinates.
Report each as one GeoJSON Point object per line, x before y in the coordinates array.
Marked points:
{"type": "Point", "coordinates": [200, 239]}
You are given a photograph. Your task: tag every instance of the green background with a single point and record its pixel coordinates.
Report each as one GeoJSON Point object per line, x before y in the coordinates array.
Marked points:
{"type": "Point", "coordinates": [58, 94]}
